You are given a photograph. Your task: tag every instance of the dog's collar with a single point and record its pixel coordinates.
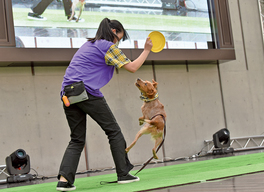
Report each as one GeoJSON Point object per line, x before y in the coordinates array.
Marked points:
{"type": "Point", "coordinates": [146, 99]}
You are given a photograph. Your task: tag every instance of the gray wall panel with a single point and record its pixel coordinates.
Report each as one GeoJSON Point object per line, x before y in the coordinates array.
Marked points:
{"type": "Point", "coordinates": [256, 81]}
{"type": "Point", "coordinates": [252, 31]}
{"type": "Point", "coordinates": [206, 98]}
{"type": "Point", "coordinates": [243, 88]}
{"type": "Point", "coordinates": [175, 94]}
{"type": "Point", "coordinates": [238, 103]}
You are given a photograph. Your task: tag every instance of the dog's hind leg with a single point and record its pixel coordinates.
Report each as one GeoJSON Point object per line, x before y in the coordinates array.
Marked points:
{"type": "Point", "coordinates": [141, 132]}
{"type": "Point", "coordinates": [157, 143]}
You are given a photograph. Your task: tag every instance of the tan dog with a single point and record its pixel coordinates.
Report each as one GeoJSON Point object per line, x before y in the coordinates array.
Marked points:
{"type": "Point", "coordinates": [152, 110]}
{"type": "Point", "coordinates": [75, 4]}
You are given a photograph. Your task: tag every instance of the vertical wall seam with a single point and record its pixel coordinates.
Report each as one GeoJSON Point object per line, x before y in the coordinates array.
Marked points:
{"type": "Point", "coordinates": [221, 93]}
{"type": "Point", "coordinates": [261, 21]}
{"type": "Point", "coordinates": [242, 32]}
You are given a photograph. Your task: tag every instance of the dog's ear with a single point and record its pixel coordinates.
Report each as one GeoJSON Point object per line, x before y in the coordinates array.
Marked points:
{"type": "Point", "coordinates": [151, 92]}
{"type": "Point", "coordinates": [152, 89]}
{"type": "Point", "coordinates": [155, 84]}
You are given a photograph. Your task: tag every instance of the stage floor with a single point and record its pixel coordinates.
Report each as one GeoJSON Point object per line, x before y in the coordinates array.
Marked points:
{"type": "Point", "coordinates": [248, 182]}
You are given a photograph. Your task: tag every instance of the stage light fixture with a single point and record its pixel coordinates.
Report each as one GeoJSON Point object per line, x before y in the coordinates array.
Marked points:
{"type": "Point", "coordinates": [18, 166]}
{"type": "Point", "coordinates": [221, 141]}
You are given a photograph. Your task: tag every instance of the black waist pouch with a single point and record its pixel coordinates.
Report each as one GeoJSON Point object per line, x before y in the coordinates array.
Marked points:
{"type": "Point", "coordinates": [75, 92]}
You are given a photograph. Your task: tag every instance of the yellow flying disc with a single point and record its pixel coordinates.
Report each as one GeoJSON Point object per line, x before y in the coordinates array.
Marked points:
{"type": "Point", "coordinates": [158, 41]}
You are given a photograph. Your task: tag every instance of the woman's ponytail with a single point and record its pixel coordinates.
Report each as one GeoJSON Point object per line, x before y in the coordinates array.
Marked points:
{"type": "Point", "coordinates": [105, 31]}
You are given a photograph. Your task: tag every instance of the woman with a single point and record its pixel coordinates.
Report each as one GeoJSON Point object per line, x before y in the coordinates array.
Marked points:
{"type": "Point", "coordinates": [94, 65]}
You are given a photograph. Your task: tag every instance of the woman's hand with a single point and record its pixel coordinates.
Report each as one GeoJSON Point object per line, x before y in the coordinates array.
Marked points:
{"type": "Point", "coordinates": [148, 44]}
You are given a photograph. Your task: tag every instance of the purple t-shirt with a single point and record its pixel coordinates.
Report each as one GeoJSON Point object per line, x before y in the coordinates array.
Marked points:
{"type": "Point", "coordinates": [89, 65]}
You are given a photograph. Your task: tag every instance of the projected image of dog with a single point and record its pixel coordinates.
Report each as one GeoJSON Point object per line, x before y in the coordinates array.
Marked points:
{"type": "Point", "coordinates": [75, 4]}
{"type": "Point", "coordinates": [153, 113]}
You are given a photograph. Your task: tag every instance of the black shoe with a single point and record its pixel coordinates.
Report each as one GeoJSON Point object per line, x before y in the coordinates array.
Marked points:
{"type": "Point", "coordinates": [65, 186]}
{"type": "Point", "coordinates": [35, 16]}
{"type": "Point", "coordinates": [127, 179]}
{"type": "Point", "coordinates": [74, 19]}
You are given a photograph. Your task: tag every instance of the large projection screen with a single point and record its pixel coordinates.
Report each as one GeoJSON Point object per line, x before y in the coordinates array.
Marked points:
{"type": "Point", "coordinates": [184, 23]}
{"type": "Point", "coordinates": [195, 30]}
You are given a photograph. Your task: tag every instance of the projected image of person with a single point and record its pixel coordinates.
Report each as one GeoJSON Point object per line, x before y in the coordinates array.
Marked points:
{"type": "Point", "coordinates": [91, 68]}
{"type": "Point", "coordinates": [39, 8]}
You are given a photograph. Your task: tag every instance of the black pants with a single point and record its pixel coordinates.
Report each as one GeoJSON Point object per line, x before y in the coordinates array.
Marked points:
{"type": "Point", "coordinates": [98, 110]}
{"type": "Point", "coordinates": [40, 7]}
